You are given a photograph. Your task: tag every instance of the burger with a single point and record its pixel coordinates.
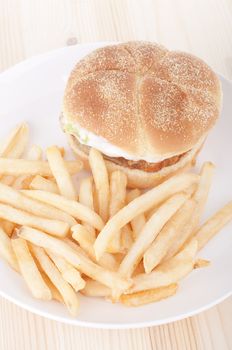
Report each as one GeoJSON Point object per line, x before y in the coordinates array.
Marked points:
{"type": "Point", "coordinates": [147, 109]}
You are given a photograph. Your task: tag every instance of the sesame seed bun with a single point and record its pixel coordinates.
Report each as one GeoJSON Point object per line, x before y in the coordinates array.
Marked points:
{"type": "Point", "coordinates": [144, 99]}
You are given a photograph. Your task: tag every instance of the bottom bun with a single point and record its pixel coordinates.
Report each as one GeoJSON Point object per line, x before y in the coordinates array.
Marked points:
{"type": "Point", "coordinates": [139, 178]}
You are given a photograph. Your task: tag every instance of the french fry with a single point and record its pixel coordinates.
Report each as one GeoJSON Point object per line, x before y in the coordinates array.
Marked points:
{"type": "Point", "coordinates": [18, 167]}
{"type": "Point", "coordinates": [118, 183]}
{"type": "Point", "coordinates": [213, 225]}
{"type": "Point", "coordinates": [60, 173]}
{"type": "Point", "coordinates": [199, 263]}
{"type": "Point", "coordinates": [7, 226]}
{"type": "Point", "coordinates": [202, 191]}
{"type": "Point", "coordinates": [13, 147]}
{"type": "Point", "coordinates": [10, 196]}
{"type": "Point", "coordinates": [6, 251]}
{"type": "Point", "coordinates": [95, 199]}
{"type": "Point", "coordinates": [86, 198]}
{"type": "Point", "coordinates": [169, 233]}
{"type": "Point", "coordinates": [148, 296]}
{"type": "Point", "coordinates": [69, 296]}
{"type": "Point", "coordinates": [200, 197]}
{"type": "Point", "coordinates": [139, 221]}
{"type": "Point", "coordinates": [29, 270]}
{"type": "Point", "coordinates": [109, 278]}
{"type": "Point", "coordinates": [7, 179]}
{"type": "Point", "coordinates": [126, 238]}
{"type": "Point", "coordinates": [95, 289]}
{"type": "Point", "coordinates": [16, 142]}
{"type": "Point", "coordinates": [150, 212]}
{"type": "Point", "coordinates": [34, 153]}
{"type": "Point", "coordinates": [55, 293]}
{"type": "Point", "coordinates": [73, 208]}
{"type": "Point", "coordinates": [73, 244]}
{"type": "Point", "coordinates": [68, 272]}
{"type": "Point", "coordinates": [54, 227]}
{"type": "Point", "coordinates": [167, 273]}
{"type": "Point", "coordinates": [149, 233]}
{"type": "Point", "coordinates": [101, 180]}
{"type": "Point", "coordinates": [81, 235]}
{"type": "Point", "coordinates": [140, 205]}
{"type": "Point", "coordinates": [43, 184]}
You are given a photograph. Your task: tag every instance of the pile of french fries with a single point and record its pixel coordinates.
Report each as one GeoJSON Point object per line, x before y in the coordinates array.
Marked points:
{"type": "Point", "coordinates": [103, 240]}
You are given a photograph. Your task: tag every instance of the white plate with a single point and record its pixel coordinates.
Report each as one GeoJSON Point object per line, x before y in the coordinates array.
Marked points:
{"type": "Point", "coordinates": [32, 91]}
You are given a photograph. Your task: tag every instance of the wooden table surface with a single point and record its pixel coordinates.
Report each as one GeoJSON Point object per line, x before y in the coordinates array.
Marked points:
{"type": "Point", "coordinates": [30, 27]}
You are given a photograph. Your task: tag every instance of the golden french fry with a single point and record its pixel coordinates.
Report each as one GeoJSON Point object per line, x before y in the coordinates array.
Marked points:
{"type": "Point", "coordinates": [29, 270]}
{"type": "Point", "coordinates": [150, 212]}
{"type": "Point", "coordinates": [95, 289]}
{"type": "Point", "coordinates": [126, 238]}
{"type": "Point", "coordinates": [68, 272]}
{"type": "Point", "coordinates": [73, 244]}
{"type": "Point", "coordinates": [140, 205]}
{"type": "Point", "coordinates": [139, 221]}
{"type": "Point", "coordinates": [7, 179]}
{"type": "Point", "coordinates": [55, 293]}
{"type": "Point", "coordinates": [35, 152]}
{"type": "Point", "coordinates": [6, 251]}
{"type": "Point", "coordinates": [13, 147]}
{"type": "Point", "coordinates": [80, 261]}
{"type": "Point", "coordinates": [73, 208]}
{"type": "Point", "coordinates": [167, 273]}
{"type": "Point", "coordinates": [86, 198]}
{"type": "Point", "coordinates": [7, 144]}
{"type": "Point", "coordinates": [17, 167]}
{"type": "Point", "coordinates": [101, 180]}
{"type": "Point", "coordinates": [148, 296]}
{"type": "Point", "coordinates": [81, 235]}
{"type": "Point", "coordinates": [95, 199]}
{"type": "Point", "coordinates": [168, 235]}
{"type": "Point", "coordinates": [200, 197]}
{"type": "Point", "coordinates": [16, 142]}
{"type": "Point", "coordinates": [60, 173]}
{"type": "Point", "coordinates": [41, 183]}
{"type": "Point", "coordinates": [202, 191]}
{"type": "Point", "coordinates": [18, 200]}
{"type": "Point", "coordinates": [213, 225]}
{"type": "Point", "coordinates": [149, 233]}
{"type": "Point", "coordinates": [7, 226]}
{"type": "Point", "coordinates": [69, 296]}
{"type": "Point", "coordinates": [118, 183]}
{"type": "Point", "coordinates": [22, 182]}
{"type": "Point", "coordinates": [54, 227]}
{"type": "Point", "coordinates": [199, 263]}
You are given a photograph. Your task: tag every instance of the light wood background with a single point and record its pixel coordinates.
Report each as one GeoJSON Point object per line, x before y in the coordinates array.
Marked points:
{"type": "Point", "coordinates": [30, 27]}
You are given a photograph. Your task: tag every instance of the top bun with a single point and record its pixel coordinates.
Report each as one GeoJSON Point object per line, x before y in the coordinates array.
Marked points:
{"type": "Point", "coordinates": [144, 99]}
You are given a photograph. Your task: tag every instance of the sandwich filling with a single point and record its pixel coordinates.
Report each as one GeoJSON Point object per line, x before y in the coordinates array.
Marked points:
{"type": "Point", "coordinates": [87, 138]}
{"type": "Point", "coordinates": [84, 140]}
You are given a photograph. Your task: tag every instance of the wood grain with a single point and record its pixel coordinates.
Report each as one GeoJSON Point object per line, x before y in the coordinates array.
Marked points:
{"type": "Point", "coordinates": [30, 27]}
{"type": "Point", "coordinates": [20, 329]}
